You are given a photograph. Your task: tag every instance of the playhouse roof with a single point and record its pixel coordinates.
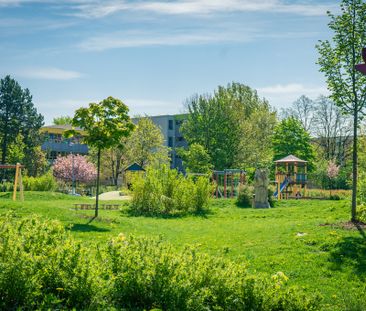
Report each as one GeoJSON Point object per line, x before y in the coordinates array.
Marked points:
{"type": "Point", "coordinates": [290, 159]}
{"type": "Point", "coordinates": [134, 167]}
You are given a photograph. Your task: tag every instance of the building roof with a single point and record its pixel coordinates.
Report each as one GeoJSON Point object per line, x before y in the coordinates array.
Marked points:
{"type": "Point", "coordinates": [60, 128]}
{"type": "Point", "coordinates": [290, 159]}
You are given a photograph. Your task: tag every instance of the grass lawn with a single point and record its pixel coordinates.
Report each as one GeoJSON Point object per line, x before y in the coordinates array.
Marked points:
{"type": "Point", "coordinates": [303, 239]}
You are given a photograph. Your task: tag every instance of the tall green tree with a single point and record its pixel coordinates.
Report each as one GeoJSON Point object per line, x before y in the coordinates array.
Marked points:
{"type": "Point", "coordinates": [215, 121]}
{"type": "Point", "coordinates": [105, 124]}
{"type": "Point", "coordinates": [17, 116]}
{"type": "Point", "coordinates": [337, 60]}
{"type": "Point", "coordinates": [256, 139]}
{"type": "Point", "coordinates": [290, 137]}
{"type": "Point", "coordinates": [196, 159]}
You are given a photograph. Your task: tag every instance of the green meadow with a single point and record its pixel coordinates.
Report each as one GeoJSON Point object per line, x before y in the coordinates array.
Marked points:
{"type": "Point", "coordinates": [309, 241]}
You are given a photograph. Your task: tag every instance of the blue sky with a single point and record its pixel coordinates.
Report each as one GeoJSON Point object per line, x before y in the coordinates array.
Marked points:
{"type": "Point", "coordinates": [153, 54]}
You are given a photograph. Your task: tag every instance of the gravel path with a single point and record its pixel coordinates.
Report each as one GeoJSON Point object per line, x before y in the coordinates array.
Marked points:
{"type": "Point", "coordinates": [113, 195]}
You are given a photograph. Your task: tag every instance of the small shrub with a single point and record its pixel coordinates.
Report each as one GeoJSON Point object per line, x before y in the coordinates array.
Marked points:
{"type": "Point", "coordinates": [271, 199]}
{"type": "Point", "coordinates": [245, 196]}
{"type": "Point", "coordinates": [361, 213]}
{"type": "Point", "coordinates": [164, 192]}
{"type": "Point", "coordinates": [45, 182]}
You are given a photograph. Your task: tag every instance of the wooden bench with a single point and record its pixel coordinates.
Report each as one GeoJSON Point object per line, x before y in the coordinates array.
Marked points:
{"type": "Point", "coordinates": [88, 206]}
{"type": "Point", "coordinates": [84, 206]}
{"type": "Point", "coordinates": [110, 206]}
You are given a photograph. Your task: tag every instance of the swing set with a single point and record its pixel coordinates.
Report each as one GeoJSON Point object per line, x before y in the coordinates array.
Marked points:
{"type": "Point", "coordinates": [17, 179]}
{"type": "Point", "coordinates": [227, 182]}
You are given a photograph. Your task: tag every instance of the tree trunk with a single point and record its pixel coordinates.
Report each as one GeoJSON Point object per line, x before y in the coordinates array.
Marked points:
{"type": "Point", "coordinates": [97, 194]}
{"type": "Point", "coordinates": [354, 166]}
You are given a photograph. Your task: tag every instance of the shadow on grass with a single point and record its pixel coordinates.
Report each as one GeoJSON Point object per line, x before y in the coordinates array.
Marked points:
{"type": "Point", "coordinates": [203, 214]}
{"type": "Point", "coordinates": [351, 251]}
{"type": "Point", "coordinates": [87, 228]}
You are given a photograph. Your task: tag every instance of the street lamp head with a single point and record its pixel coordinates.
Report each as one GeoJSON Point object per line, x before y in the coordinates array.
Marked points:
{"type": "Point", "coordinates": [362, 67]}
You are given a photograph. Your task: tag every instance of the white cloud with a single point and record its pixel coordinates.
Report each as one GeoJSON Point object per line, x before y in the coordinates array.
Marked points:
{"type": "Point", "coordinates": [138, 39]}
{"type": "Point", "coordinates": [95, 9]}
{"type": "Point", "coordinates": [282, 95]}
{"type": "Point", "coordinates": [49, 73]}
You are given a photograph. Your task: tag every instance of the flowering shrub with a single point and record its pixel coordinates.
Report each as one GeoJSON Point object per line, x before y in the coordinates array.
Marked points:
{"type": "Point", "coordinates": [78, 166]}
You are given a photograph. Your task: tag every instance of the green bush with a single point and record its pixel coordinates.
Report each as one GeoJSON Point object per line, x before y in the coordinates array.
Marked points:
{"type": "Point", "coordinates": [46, 182]}
{"type": "Point", "coordinates": [41, 265]}
{"type": "Point", "coordinates": [361, 213]}
{"type": "Point", "coordinates": [43, 268]}
{"type": "Point", "coordinates": [164, 191]}
{"type": "Point", "coordinates": [245, 196]}
{"type": "Point", "coordinates": [149, 274]}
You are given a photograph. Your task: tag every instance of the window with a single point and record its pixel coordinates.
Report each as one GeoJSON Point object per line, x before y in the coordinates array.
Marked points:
{"type": "Point", "coordinates": [170, 141]}
{"type": "Point", "coordinates": [170, 124]}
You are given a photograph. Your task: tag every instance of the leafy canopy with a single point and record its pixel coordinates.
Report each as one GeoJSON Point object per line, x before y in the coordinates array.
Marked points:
{"type": "Point", "coordinates": [290, 137]}
{"type": "Point", "coordinates": [105, 123]}
{"type": "Point", "coordinates": [216, 122]}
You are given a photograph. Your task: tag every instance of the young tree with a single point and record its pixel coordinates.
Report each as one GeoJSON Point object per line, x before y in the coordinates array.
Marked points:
{"type": "Point", "coordinates": [17, 116]}
{"type": "Point", "coordinates": [290, 137]}
{"type": "Point", "coordinates": [145, 146]}
{"type": "Point", "coordinates": [105, 125]}
{"type": "Point", "coordinates": [337, 60]}
{"type": "Point", "coordinates": [332, 173]}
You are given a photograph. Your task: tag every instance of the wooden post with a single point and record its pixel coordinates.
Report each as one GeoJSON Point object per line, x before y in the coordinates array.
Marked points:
{"type": "Point", "coordinates": [16, 182]}
{"type": "Point", "coordinates": [305, 179]}
{"type": "Point", "coordinates": [21, 185]}
{"type": "Point", "coordinates": [295, 177]}
{"type": "Point", "coordinates": [232, 184]}
{"type": "Point", "coordinates": [225, 179]}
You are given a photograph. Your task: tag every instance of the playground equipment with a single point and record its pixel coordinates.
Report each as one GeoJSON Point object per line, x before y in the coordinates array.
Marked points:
{"type": "Point", "coordinates": [227, 182]}
{"type": "Point", "coordinates": [291, 177]}
{"type": "Point", "coordinates": [17, 179]}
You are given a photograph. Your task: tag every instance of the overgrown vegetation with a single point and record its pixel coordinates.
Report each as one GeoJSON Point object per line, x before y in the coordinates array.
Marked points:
{"type": "Point", "coordinates": [43, 267]}
{"type": "Point", "coordinates": [164, 191]}
{"type": "Point", "coordinates": [46, 182]}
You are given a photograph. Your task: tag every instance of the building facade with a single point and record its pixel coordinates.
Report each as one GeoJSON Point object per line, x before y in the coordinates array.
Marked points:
{"type": "Point", "coordinates": [55, 144]}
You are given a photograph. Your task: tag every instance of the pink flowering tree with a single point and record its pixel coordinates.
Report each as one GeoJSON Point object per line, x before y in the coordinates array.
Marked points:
{"type": "Point", "coordinates": [74, 166]}
{"type": "Point", "coordinates": [332, 173]}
